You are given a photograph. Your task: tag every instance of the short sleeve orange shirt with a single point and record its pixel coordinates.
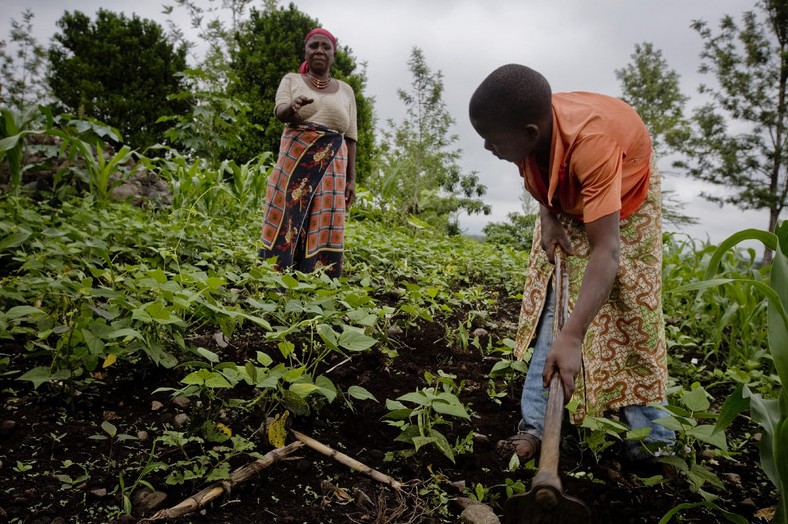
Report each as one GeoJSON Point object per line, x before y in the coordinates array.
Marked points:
{"type": "Point", "coordinates": [599, 158]}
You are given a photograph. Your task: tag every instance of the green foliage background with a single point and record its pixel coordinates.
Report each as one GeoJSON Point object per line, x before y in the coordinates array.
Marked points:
{"type": "Point", "coordinates": [270, 44]}
{"type": "Point", "coordinates": [117, 70]}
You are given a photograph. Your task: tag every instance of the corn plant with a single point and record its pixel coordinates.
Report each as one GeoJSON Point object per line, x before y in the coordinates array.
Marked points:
{"type": "Point", "coordinates": [728, 324]}
{"type": "Point", "coordinates": [14, 127]}
{"type": "Point", "coordinates": [85, 139]}
{"type": "Point", "coordinates": [248, 181]}
{"type": "Point", "coordinates": [770, 413]}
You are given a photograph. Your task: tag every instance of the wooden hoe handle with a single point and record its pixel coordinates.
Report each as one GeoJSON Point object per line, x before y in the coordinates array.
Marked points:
{"type": "Point", "coordinates": [547, 476]}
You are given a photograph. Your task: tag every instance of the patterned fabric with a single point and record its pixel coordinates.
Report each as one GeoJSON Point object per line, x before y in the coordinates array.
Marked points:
{"type": "Point", "coordinates": [624, 352]}
{"type": "Point", "coordinates": [304, 219]}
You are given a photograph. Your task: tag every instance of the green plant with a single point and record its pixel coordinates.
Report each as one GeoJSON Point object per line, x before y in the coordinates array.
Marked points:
{"type": "Point", "coordinates": [83, 139]}
{"type": "Point", "coordinates": [418, 424]}
{"type": "Point", "coordinates": [727, 327]}
{"type": "Point", "coordinates": [15, 125]}
{"type": "Point", "coordinates": [111, 434]}
{"type": "Point", "coordinates": [683, 418]}
{"type": "Point", "coordinates": [770, 413]}
{"type": "Point", "coordinates": [600, 433]}
{"type": "Point", "coordinates": [67, 481]}
{"type": "Point", "coordinates": [202, 464]}
{"type": "Point", "coordinates": [690, 434]}
{"type": "Point", "coordinates": [126, 491]}
{"type": "Point", "coordinates": [22, 467]}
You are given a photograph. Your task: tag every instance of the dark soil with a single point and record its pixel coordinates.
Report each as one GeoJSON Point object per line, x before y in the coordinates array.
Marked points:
{"type": "Point", "coordinates": [47, 432]}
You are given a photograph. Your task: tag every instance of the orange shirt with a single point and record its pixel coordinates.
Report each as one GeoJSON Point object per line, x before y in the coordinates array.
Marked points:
{"type": "Point", "coordinates": [599, 158]}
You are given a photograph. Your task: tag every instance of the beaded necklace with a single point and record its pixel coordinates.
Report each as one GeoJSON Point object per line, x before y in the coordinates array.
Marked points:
{"type": "Point", "coordinates": [318, 83]}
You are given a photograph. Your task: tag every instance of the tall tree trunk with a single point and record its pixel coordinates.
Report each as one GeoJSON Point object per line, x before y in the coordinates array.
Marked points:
{"type": "Point", "coordinates": [767, 253]}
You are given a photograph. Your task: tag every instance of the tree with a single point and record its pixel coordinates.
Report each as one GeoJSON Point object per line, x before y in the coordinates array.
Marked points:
{"type": "Point", "coordinates": [117, 70]}
{"type": "Point", "coordinates": [739, 138]}
{"type": "Point", "coordinates": [270, 44]}
{"type": "Point", "coordinates": [214, 31]}
{"type": "Point", "coordinates": [652, 88]}
{"type": "Point", "coordinates": [420, 173]}
{"type": "Point", "coordinates": [22, 73]}
{"type": "Point", "coordinates": [518, 231]}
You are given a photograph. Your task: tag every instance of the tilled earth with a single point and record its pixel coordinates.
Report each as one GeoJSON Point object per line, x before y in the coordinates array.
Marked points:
{"type": "Point", "coordinates": [52, 471]}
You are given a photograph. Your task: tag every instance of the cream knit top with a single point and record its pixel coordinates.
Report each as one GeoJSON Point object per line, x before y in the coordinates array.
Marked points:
{"type": "Point", "coordinates": [334, 110]}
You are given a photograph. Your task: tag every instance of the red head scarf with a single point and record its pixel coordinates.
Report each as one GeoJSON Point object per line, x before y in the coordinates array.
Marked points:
{"type": "Point", "coordinates": [316, 31]}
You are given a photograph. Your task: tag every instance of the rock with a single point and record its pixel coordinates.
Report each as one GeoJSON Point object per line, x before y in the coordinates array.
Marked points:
{"type": "Point", "coordinates": [733, 478]}
{"type": "Point", "coordinates": [479, 514]}
{"type": "Point", "coordinates": [464, 502]}
{"type": "Point", "coordinates": [126, 191]}
{"type": "Point", "coordinates": [612, 474]}
{"type": "Point", "coordinates": [142, 188]}
{"type": "Point", "coordinates": [458, 486]}
{"type": "Point", "coordinates": [395, 330]}
{"type": "Point", "coordinates": [99, 492]}
{"type": "Point", "coordinates": [480, 332]}
{"type": "Point", "coordinates": [181, 402]}
{"type": "Point", "coordinates": [181, 420]}
{"type": "Point", "coordinates": [220, 339]}
{"type": "Point", "coordinates": [146, 501]}
{"type": "Point", "coordinates": [142, 435]}
{"type": "Point", "coordinates": [362, 499]}
{"type": "Point", "coordinates": [7, 427]}
{"type": "Point", "coordinates": [479, 438]}
{"type": "Point", "coordinates": [57, 520]}
{"type": "Point", "coordinates": [156, 405]}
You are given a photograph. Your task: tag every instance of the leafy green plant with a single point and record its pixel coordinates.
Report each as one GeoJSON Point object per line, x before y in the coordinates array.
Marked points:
{"type": "Point", "coordinates": [67, 481]}
{"type": "Point", "coordinates": [127, 490]}
{"type": "Point", "coordinates": [683, 418]}
{"type": "Point", "coordinates": [599, 433]}
{"type": "Point", "coordinates": [418, 422]}
{"type": "Point", "coordinates": [84, 139]}
{"type": "Point", "coordinates": [211, 127]}
{"type": "Point", "coordinates": [770, 413]}
{"type": "Point", "coordinates": [110, 432]}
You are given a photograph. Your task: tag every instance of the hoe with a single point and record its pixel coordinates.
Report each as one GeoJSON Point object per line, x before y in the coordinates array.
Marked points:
{"type": "Point", "coordinates": [546, 502]}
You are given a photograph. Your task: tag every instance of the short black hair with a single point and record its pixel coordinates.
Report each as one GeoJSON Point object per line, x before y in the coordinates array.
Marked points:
{"type": "Point", "coordinates": [511, 97]}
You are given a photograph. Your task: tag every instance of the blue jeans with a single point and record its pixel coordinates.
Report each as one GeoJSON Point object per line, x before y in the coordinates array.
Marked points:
{"type": "Point", "coordinates": [533, 402]}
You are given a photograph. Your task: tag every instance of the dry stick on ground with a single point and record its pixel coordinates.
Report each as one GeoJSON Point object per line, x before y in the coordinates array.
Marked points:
{"type": "Point", "coordinates": [217, 489]}
{"type": "Point", "coordinates": [347, 461]}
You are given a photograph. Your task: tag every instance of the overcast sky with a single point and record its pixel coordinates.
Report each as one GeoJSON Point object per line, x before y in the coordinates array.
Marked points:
{"type": "Point", "coordinates": [576, 44]}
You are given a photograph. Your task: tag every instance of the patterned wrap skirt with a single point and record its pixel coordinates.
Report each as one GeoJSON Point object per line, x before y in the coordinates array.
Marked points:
{"type": "Point", "coordinates": [304, 218]}
{"type": "Point", "coordinates": [624, 352]}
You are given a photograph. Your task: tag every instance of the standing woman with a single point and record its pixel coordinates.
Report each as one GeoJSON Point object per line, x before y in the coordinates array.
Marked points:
{"type": "Point", "coordinates": [314, 180]}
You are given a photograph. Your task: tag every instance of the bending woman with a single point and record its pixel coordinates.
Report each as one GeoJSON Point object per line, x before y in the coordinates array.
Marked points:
{"type": "Point", "coordinates": [314, 180]}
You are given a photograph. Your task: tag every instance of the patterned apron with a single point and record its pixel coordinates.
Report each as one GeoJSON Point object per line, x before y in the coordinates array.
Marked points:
{"type": "Point", "coordinates": [624, 352]}
{"type": "Point", "coordinates": [304, 217]}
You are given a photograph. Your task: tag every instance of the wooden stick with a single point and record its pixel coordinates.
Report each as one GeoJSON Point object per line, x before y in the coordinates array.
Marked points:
{"type": "Point", "coordinates": [347, 461]}
{"type": "Point", "coordinates": [199, 500]}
